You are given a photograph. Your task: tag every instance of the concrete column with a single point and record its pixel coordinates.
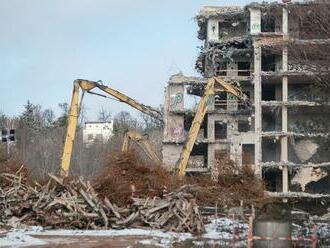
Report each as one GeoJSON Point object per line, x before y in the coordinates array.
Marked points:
{"type": "Point", "coordinates": [174, 123]}
{"type": "Point", "coordinates": [211, 160]}
{"type": "Point", "coordinates": [255, 21]}
{"type": "Point", "coordinates": [284, 139]}
{"type": "Point", "coordinates": [258, 109]}
{"type": "Point", "coordinates": [175, 97]}
{"type": "Point", "coordinates": [285, 21]}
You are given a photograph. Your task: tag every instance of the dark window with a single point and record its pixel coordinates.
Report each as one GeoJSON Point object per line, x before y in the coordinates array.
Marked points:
{"type": "Point", "coordinates": [243, 68]}
{"type": "Point", "coordinates": [267, 24]}
{"type": "Point", "coordinates": [272, 179]}
{"type": "Point", "coordinates": [247, 154]}
{"type": "Point", "coordinates": [243, 126]}
{"type": "Point", "coordinates": [220, 130]}
{"type": "Point", "coordinates": [268, 93]}
{"type": "Point", "coordinates": [268, 63]}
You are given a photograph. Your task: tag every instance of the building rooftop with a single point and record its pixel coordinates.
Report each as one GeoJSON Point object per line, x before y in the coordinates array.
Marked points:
{"type": "Point", "coordinates": [211, 11]}
{"type": "Point", "coordinates": [98, 122]}
{"type": "Point", "coordinates": [234, 11]}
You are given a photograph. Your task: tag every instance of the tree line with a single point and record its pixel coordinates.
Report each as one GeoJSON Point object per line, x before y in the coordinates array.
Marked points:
{"type": "Point", "coordinates": [40, 137]}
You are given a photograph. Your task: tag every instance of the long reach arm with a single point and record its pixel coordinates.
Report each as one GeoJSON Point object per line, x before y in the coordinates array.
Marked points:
{"type": "Point", "coordinates": [210, 90]}
{"type": "Point", "coordinates": [88, 86]}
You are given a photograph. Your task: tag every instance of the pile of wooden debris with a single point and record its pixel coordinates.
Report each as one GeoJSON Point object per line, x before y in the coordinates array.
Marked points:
{"type": "Point", "coordinates": [73, 203]}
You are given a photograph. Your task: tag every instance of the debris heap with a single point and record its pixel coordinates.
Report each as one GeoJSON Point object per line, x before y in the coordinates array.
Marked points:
{"type": "Point", "coordinates": [73, 203]}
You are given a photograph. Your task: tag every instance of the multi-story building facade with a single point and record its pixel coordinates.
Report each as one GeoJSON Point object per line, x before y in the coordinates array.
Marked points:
{"type": "Point", "coordinates": [251, 47]}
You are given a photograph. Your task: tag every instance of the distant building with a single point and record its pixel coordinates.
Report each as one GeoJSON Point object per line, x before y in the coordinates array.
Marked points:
{"type": "Point", "coordinates": [97, 132]}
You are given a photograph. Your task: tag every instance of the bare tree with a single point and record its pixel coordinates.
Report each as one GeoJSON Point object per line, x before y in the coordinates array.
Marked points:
{"type": "Point", "coordinates": [3, 119]}
{"type": "Point", "coordinates": [104, 115]}
{"type": "Point", "coordinates": [150, 123]}
{"type": "Point", "coordinates": [123, 121]}
{"type": "Point", "coordinates": [48, 117]}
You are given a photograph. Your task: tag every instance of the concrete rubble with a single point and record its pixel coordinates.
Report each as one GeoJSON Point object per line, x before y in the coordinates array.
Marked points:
{"type": "Point", "coordinates": [74, 204]}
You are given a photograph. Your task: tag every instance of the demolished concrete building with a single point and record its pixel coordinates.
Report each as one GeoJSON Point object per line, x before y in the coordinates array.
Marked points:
{"type": "Point", "coordinates": [249, 46]}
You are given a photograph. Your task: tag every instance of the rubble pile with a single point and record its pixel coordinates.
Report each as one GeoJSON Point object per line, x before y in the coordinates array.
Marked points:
{"type": "Point", "coordinates": [126, 174]}
{"type": "Point", "coordinates": [73, 203]}
{"type": "Point", "coordinates": [239, 183]}
{"type": "Point", "coordinates": [235, 185]}
{"type": "Point", "coordinates": [128, 193]}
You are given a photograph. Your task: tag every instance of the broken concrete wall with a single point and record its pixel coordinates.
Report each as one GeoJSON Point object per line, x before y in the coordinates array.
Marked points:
{"type": "Point", "coordinates": [214, 151]}
{"type": "Point", "coordinates": [307, 175]}
{"type": "Point", "coordinates": [232, 28]}
{"type": "Point", "coordinates": [226, 60]}
{"type": "Point", "coordinates": [171, 154]}
{"type": "Point", "coordinates": [174, 130]}
{"type": "Point", "coordinates": [305, 149]}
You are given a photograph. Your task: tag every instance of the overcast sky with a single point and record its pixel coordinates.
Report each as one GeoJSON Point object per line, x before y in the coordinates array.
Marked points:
{"type": "Point", "coordinates": [132, 45]}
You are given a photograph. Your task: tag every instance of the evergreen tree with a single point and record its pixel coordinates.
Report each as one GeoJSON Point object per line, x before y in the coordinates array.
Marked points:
{"type": "Point", "coordinates": [32, 116]}
{"type": "Point", "coordinates": [62, 120]}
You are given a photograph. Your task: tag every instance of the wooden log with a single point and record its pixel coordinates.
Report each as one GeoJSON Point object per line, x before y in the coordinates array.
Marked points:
{"type": "Point", "coordinates": [129, 219]}
{"type": "Point", "coordinates": [111, 207]}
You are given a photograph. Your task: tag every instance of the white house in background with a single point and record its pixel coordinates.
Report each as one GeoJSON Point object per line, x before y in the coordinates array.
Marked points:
{"type": "Point", "coordinates": [97, 132]}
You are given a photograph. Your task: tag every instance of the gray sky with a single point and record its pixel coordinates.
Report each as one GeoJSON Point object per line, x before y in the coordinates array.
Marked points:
{"type": "Point", "coordinates": [133, 46]}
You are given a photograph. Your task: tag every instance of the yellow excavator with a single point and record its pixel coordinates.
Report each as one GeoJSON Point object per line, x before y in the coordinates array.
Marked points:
{"type": "Point", "coordinates": [142, 141]}
{"type": "Point", "coordinates": [80, 87]}
{"type": "Point", "coordinates": [214, 85]}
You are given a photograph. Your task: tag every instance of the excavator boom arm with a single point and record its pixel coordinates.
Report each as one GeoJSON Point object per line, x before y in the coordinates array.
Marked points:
{"type": "Point", "coordinates": [194, 129]}
{"type": "Point", "coordinates": [71, 129]}
{"type": "Point", "coordinates": [87, 86]}
{"type": "Point", "coordinates": [200, 114]}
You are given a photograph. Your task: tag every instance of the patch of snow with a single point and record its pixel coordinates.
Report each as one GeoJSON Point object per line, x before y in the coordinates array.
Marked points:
{"type": "Point", "coordinates": [166, 242]}
{"type": "Point", "coordinates": [224, 228]}
{"type": "Point", "coordinates": [19, 239]}
{"type": "Point", "coordinates": [23, 237]}
{"type": "Point", "coordinates": [113, 233]}
{"type": "Point", "coordinates": [199, 243]}
{"type": "Point", "coordinates": [152, 242]}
